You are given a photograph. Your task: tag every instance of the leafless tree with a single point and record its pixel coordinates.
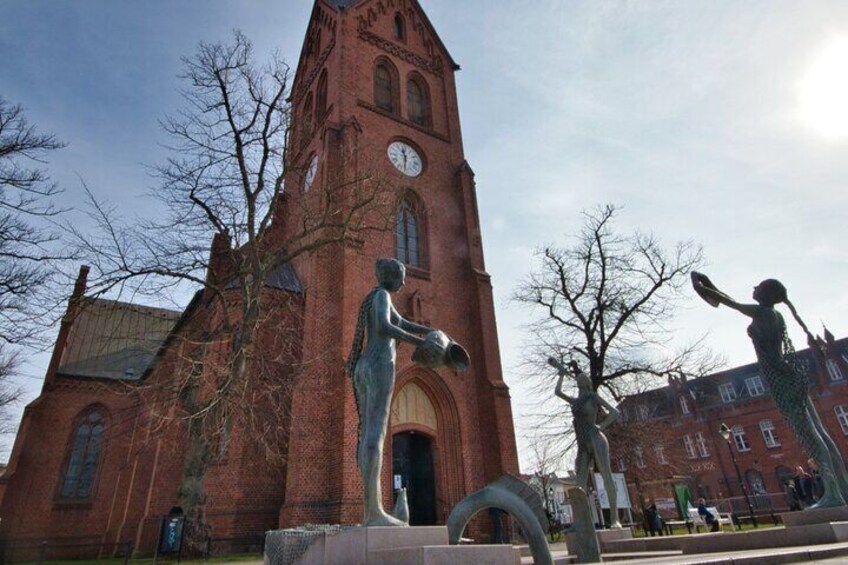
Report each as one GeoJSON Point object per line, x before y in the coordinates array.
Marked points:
{"type": "Point", "coordinates": [225, 182]}
{"type": "Point", "coordinates": [608, 301]}
{"type": "Point", "coordinates": [28, 244]}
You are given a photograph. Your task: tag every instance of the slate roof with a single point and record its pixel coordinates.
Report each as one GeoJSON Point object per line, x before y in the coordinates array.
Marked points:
{"type": "Point", "coordinates": [119, 340]}
{"type": "Point", "coordinates": [705, 390]}
{"type": "Point", "coordinates": [115, 340]}
{"type": "Point", "coordinates": [283, 277]}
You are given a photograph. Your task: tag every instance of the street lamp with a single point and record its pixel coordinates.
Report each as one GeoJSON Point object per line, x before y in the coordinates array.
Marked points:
{"type": "Point", "coordinates": [724, 432]}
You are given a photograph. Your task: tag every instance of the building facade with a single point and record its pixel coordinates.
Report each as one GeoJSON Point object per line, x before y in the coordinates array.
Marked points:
{"type": "Point", "coordinates": [684, 446]}
{"type": "Point", "coordinates": [92, 464]}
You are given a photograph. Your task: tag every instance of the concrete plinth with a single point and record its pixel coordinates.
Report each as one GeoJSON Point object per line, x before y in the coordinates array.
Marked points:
{"type": "Point", "coordinates": [813, 534]}
{"type": "Point", "coordinates": [815, 516]}
{"type": "Point", "coordinates": [421, 545]}
{"type": "Point", "coordinates": [604, 537]}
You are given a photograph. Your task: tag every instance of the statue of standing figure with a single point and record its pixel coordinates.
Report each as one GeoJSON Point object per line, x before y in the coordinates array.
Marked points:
{"type": "Point", "coordinates": [373, 372]}
{"type": "Point", "coordinates": [786, 376]}
{"type": "Point", "coordinates": [592, 444]}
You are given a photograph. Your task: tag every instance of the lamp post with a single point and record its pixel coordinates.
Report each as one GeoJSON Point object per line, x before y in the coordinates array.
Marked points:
{"type": "Point", "coordinates": [724, 432]}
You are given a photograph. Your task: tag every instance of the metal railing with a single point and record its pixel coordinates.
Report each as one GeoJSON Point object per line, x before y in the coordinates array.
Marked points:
{"type": "Point", "coordinates": [768, 505]}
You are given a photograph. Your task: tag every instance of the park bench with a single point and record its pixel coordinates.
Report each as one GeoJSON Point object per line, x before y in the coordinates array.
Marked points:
{"type": "Point", "coordinates": [697, 520]}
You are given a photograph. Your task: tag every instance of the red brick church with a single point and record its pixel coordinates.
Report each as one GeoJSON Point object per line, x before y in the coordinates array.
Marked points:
{"type": "Point", "coordinates": [90, 464]}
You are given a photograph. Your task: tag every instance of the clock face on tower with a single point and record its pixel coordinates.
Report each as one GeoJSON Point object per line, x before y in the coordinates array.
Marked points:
{"type": "Point", "coordinates": [405, 158]}
{"type": "Point", "coordinates": [309, 178]}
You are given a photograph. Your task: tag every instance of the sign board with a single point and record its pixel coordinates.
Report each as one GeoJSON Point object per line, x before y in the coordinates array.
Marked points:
{"type": "Point", "coordinates": [622, 496]}
{"type": "Point", "coordinates": [171, 534]}
{"type": "Point", "coordinates": [667, 507]}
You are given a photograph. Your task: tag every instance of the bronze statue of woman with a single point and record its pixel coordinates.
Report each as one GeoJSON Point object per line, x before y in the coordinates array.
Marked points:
{"type": "Point", "coordinates": [373, 372]}
{"type": "Point", "coordinates": [786, 377]}
{"type": "Point", "coordinates": [592, 444]}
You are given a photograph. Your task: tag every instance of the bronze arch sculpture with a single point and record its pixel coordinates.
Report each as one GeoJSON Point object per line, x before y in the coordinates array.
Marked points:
{"type": "Point", "coordinates": [518, 499]}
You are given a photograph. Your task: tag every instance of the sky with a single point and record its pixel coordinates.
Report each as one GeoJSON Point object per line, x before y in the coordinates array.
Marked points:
{"type": "Point", "coordinates": [722, 122]}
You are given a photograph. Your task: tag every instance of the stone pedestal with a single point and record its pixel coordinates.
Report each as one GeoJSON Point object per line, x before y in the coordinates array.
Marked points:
{"type": "Point", "coordinates": [803, 528]}
{"type": "Point", "coordinates": [815, 516]}
{"type": "Point", "coordinates": [604, 537]}
{"type": "Point", "coordinates": [421, 545]}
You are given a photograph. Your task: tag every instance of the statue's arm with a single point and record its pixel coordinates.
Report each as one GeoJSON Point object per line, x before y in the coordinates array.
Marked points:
{"type": "Point", "coordinates": [562, 371]}
{"type": "Point", "coordinates": [559, 393]}
{"type": "Point", "coordinates": [613, 414]}
{"type": "Point", "coordinates": [382, 306]}
{"type": "Point", "coordinates": [708, 291]}
{"type": "Point", "coordinates": [413, 327]}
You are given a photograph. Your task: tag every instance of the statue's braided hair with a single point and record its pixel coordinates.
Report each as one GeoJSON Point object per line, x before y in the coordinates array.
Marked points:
{"type": "Point", "coordinates": [359, 334]}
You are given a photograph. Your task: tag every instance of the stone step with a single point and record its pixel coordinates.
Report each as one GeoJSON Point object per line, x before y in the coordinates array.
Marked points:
{"type": "Point", "coordinates": [814, 534]}
{"type": "Point", "coordinates": [776, 556]}
{"type": "Point", "coordinates": [564, 558]}
{"type": "Point", "coordinates": [447, 555]}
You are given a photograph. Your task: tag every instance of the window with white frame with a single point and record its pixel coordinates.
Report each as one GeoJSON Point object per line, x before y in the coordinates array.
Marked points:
{"type": "Point", "coordinates": [741, 438]}
{"type": "Point", "coordinates": [689, 445]}
{"type": "Point", "coordinates": [833, 370]}
{"type": "Point", "coordinates": [842, 416]}
{"type": "Point", "coordinates": [639, 456]}
{"type": "Point", "coordinates": [769, 433]}
{"type": "Point", "coordinates": [755, 386]}
{"type": "Point", "coordinates": [684, 405]}
{"type": "Point", "coordinates": [702, 444]}
{"type": "Point", "coordinates": [622, 465]}
{"type": "Point", "coordinates": [727, 392]}
{"type": "Point", "coordinates": [659, 452]}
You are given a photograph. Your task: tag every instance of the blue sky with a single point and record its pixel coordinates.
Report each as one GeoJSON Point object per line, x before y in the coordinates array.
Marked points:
{"type": "Point", "coordinates": [689, 114]}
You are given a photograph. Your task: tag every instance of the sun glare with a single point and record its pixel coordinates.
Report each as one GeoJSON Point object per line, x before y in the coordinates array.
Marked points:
{"type": "Point", "coordinates": [824, 91]}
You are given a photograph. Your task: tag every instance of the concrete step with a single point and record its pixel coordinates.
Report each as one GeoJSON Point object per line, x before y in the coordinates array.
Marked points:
{"type": "Point", "coordinates": [563, 558]}
{"type": "Point", "coordinates": [776, 556]}
{"type": "Point", "coordinates": [798, 536]}
{"type": "Point", "coordinates": [447, 555]}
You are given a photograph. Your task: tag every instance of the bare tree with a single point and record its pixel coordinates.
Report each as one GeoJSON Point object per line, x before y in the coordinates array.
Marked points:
{"type": "Point", "coordinates": [608, 302]}
{"type": "Point", "coordinates": [225, 182]}
{"type": "Point", "coordinates": [28, 244]}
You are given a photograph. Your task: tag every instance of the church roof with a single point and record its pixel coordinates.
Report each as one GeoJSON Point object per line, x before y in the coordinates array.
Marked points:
{"type": "Point", "coordinates": [115, 340]}
{"type": "Point", "coordinates": [120, 341]}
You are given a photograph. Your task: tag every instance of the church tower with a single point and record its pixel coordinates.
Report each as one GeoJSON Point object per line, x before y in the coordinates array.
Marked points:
{"type": "Point", "coordinates": [374, 96]}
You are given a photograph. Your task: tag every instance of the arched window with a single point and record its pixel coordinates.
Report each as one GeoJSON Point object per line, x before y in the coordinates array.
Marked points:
{"type": "Point", "coordinates": [418, 100]}
{"type": "Point", "coordinates": [408, 235]}
{"type": "Point", "coordinates": [385, 87]}
{"type": "Point", "coordinates": [321, 102]}
{"type": "Point", "coordinates": [306, 119]}
{"type": "Point", "coordinates": [400, 28]}
{"type": "Point", "coordinates": [81, 468]}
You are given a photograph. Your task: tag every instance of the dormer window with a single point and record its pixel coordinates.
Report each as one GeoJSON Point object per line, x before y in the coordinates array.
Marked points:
{"type": "Point", "coordinates": [399, 28]}
{"type": "Point", "coordinates": [727, 392]}
{"type": "Point", "coordinates": [755, 386]}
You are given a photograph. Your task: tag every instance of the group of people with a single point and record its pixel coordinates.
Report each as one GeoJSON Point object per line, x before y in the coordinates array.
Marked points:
{"type": "Point", "coordinates": [805, 488]}
{"type": "Point", "coordinates": [654, 523]}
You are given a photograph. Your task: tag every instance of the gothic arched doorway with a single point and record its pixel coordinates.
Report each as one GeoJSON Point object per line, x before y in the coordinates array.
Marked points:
{"type": "Point", "coordinates": [412, 465]}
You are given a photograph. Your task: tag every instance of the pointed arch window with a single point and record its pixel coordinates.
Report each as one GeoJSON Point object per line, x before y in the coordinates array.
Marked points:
{"type": "Point", "coordinates": [386, 86]}
{"type": "Point", "coordinates": [86, 445]}
{"type": "Point", "coordinates": [321, 97]}
{"type": "Point", "coordinates": [306, 118]}
{"type": "Point", "coordinates": [399, 28]}
{"type": "Point", "coordinates": [409, 234]}
{"type": "Point", "coordinates": [418, 100]}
